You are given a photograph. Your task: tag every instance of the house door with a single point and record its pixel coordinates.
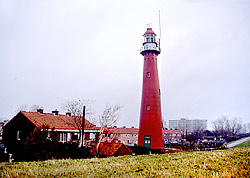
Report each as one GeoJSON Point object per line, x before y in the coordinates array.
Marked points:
{"type": "Point", "coordinates": [147, 141]}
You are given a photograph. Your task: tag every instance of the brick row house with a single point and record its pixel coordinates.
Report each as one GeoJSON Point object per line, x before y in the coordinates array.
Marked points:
{"type": "Point", "coordinates": [127, 136]}
{"type": "Point", "coordinates": [172, 136]}
{"type": "Point", "coordinates": [24, 123]}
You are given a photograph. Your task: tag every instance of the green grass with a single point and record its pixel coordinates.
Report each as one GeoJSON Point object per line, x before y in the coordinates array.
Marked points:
{"type": "Point", "coordinates": [243, 145]}
{"type": "Point", "coordinates": [221, 163]}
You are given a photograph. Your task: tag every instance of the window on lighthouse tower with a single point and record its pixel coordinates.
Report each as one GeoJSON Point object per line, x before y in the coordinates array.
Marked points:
{"type": "Point", "coordinates": [148, 107]}
{"type": "Point", "coordinates": [148, 74]}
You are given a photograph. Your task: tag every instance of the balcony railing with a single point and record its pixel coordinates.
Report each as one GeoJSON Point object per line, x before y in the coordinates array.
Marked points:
{"type": "Point", "coordinates": [156, 49]}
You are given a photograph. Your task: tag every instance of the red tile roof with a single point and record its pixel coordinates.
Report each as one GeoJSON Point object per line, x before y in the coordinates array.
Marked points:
{"type": "Point", "coordinates": [171, 132]}
{"type": "Point", "coordinates": [135, 131]}
{"type": "Point", "coordinates": [56, 121]}
{"type": "Point", "coordinates": [123, 130]}
{"type": "Point", "coordinates": [109, 149]}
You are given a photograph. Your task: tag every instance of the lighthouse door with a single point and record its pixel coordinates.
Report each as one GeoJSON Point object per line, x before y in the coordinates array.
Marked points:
{"type": "Point", "coordinates": [147, 141]}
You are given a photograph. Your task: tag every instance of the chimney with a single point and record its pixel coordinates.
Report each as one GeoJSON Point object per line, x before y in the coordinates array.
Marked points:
{"type": "Point", "coordinates": [132, 127]}
{"type": "Point", "coordinates": [124, 127]}
{"type": "Point", "coordinates": [40, 111]}
{"type": "Point", "coordinates": [115, 127]}
{"type": "Point", "coordinates": [55, 112]}
{"type": "Point", "coordinates": [68, 114]}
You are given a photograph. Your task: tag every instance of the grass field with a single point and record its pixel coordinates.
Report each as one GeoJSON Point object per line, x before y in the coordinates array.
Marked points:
{"type": "Point", "coordinates": [221, 163]}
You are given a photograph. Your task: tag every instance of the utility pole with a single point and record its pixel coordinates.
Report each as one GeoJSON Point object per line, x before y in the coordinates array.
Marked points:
{"type": "Point", "coordinates": [83, 123]}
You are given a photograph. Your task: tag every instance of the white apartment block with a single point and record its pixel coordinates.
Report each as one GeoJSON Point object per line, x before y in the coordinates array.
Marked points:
{"type": "Point", "coordinates": [188, 125]}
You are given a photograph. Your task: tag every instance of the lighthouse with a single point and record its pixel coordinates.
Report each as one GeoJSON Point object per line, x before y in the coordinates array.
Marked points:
{"type": "Point", "coordinates": [150, 128]}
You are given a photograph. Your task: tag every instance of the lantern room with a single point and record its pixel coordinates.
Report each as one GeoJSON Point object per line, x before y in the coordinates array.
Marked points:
{"type": "Point", "coordinates": [150, 43]}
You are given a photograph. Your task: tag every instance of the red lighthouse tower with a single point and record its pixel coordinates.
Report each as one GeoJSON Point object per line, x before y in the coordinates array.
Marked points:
{"type": "Point", "coordinates": [150, 128]}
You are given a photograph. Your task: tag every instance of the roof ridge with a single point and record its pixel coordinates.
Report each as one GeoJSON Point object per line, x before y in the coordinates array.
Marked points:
{"type": "Point", "coordinates": [57, 121]}
{"type": "Point", "coordinates": [23, 112]}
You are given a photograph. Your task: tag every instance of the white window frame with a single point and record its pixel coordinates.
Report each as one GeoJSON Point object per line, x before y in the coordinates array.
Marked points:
{"type": "Point", "coordinates": [92, 136]}
{"type": "Point", "coordinates": [63, 136]}
{"type": "Point", "coordinates": [18, 135]}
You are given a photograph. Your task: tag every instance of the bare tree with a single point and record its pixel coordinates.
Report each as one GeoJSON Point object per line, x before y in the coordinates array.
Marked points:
{"type": "Point", "coordinates": [220, 126]}
{"type": "Point", "coordinates": [106, 120]}
{"type": "Point", "coordinates": [198, 132]}
{"type": "Point", "coordinates": [224, 126]}
{"type": "Point", "coordinates": [35, 107]}
{"type": "Point", "coordinates": [23, 107]}
{"type": "Point", "coordinates": [75, 108]}
{"type": "Point", "coordinates": [234, 126]}
{"type": "Point", "coordinates": [184, 126]}
{"type": "Point", "coordinates": [246, 128]}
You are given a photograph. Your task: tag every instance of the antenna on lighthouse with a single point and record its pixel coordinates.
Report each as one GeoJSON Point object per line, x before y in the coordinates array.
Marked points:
{"type": "Point", "coordinates": [160, 30]}
{"type": "Point", "coordinates": [160, 23]}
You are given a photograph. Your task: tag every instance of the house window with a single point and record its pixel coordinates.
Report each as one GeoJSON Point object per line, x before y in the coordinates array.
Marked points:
{"type": "Point", "coordinates": [68, 137]}
{"type": "Point", "coordinates": [92, 136]}
{"type": "Point", "coordinates": [74, 137]}
{"type": "Point", "coordinates": [18, 135]}
{"type": "Point", "coordinates": [63, 137]}
{"type": "Point", "coordinates": [148, 74]}
{"type": "Point", "coordinates": [148, 107]}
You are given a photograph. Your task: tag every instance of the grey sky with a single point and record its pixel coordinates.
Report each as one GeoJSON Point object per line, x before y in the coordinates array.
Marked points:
{"type": "Point", "coordinates": [52, 51]}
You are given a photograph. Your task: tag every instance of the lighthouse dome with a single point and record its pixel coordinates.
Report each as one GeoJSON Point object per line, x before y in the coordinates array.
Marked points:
{"type": "Point", "coordinates": [149, 31]}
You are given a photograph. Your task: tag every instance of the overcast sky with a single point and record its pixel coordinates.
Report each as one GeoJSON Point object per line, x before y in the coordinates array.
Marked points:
{"type": "Point", "coordinates": [52, 51]}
